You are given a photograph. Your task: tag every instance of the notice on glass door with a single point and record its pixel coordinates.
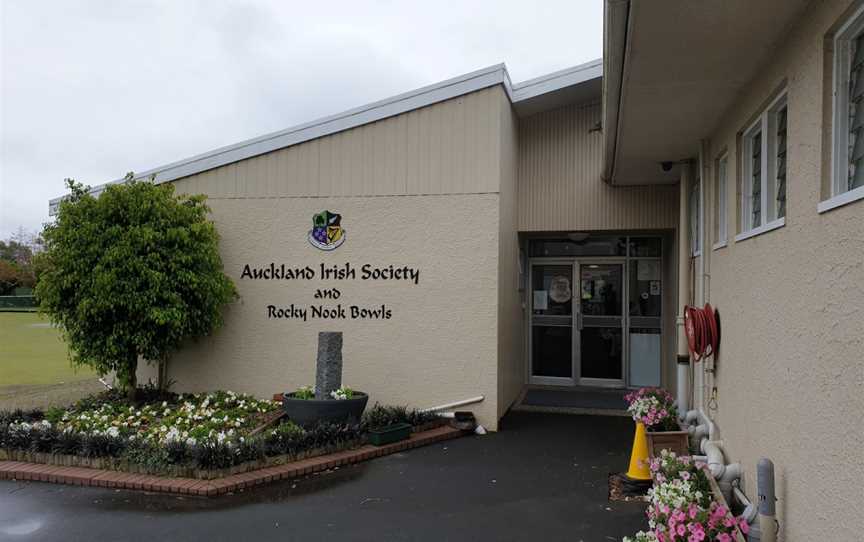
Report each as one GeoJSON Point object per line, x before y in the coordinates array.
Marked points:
{"type": "Point", "coordinates": [541, 302]}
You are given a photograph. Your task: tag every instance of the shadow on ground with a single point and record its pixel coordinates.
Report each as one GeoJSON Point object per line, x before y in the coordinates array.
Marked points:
{"type": "Point", "coordinates": [542, 477]}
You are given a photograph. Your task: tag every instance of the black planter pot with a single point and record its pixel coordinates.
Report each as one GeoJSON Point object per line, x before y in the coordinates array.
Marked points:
{"type": "Point", "coordinates": [308, 412]}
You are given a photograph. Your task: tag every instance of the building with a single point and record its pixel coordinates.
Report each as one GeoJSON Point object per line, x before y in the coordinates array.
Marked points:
{"type": "Point", "coordinates": [487, 236]}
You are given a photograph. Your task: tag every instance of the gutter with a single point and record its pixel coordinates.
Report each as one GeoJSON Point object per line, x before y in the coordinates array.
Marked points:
{"type": "Point", "coordinates": [616, 19]}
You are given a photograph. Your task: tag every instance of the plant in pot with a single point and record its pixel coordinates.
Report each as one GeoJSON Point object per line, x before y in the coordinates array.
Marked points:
{"type": "Point", "coordinates": [655, 409]}
{"type": "Point", "coordinates": [328, 401]}
{"type": "Point", "coordinates": [387, 424]}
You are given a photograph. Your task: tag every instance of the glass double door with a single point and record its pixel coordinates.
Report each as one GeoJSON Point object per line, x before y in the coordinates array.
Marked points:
{"type": "Point", "coordinates": [577, 328]}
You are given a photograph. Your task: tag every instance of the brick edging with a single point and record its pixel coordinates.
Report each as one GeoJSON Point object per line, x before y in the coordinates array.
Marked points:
{"type": "Point", "coordinates": [80, 476]}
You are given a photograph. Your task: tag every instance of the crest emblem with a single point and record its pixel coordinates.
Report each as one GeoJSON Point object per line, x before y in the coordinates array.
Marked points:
{"type": "Point", "coordinates": [326, 232]}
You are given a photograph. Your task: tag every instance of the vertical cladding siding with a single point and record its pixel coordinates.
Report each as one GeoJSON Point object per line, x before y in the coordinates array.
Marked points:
{"type": "Point", "coordinates": [560, 187]}
{"type": "Point", "coordinates": [445, 148]}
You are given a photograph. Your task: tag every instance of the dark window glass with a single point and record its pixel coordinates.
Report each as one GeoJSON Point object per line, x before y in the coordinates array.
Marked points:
{"type": "Point", "coordinates": [591, 246]}
{"type": "Point", "coordinates": [642, 247]}
{"type": "Point", "coordinates": [552, 351]}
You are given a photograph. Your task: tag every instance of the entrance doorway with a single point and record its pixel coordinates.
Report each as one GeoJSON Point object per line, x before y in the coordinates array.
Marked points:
{"type": "Point", "coordinates": [601, 324]}
{"type": "Point", "coordinates": [595, 310]}
{"type": "Point", "coordinates": [577, 327]}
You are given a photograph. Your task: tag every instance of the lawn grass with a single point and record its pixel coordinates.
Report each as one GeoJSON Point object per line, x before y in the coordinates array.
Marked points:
{"type": "Point", "coordinates": [32, 352]}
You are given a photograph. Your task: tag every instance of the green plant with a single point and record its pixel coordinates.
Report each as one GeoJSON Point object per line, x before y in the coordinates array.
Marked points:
{"type": "Point", "coordinates": [381, 416]}
{"type": "Point", "coordinates": [305, 393]}
{"type": "Point", "coordinates": [342, 393]}
{"type": "Point", "coordinates": [131, 274]}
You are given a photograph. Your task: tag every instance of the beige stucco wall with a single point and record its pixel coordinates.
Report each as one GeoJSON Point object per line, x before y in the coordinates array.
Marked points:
{"type": "Point", "coordinates": [419, 189]}
{"type": "Point", "coordinates": [790, 374]}
{"type": "Point", "coordinates": [511, 328]}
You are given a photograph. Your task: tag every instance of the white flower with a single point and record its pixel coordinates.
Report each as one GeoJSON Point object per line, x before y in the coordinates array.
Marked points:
{"type": "Point", "coordinates": [113, 432]}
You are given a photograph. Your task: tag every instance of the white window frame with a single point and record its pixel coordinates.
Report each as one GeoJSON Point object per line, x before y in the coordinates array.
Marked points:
{"type": "Point", "coordinates": [766, 125]}
{"type": "Point", "coordinates": [840, 194]}
{"type": "Point", "coordinates": [721, 202]}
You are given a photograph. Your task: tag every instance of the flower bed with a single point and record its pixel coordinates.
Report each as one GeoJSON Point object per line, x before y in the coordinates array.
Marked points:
{"type": "Point", "coordinates": [196, 436]}
{"type": "Point", "coordinates": [656, 409]}
{"type": "Point", "coordinates": [685, 505]}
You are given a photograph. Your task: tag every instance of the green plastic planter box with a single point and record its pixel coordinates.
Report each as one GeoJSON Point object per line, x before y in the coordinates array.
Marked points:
{"type": "Point", "coordinates": [389, 434]}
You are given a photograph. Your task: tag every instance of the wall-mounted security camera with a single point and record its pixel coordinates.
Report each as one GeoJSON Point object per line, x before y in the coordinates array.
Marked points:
{"type": "Point", "coordinates": [667, 165]}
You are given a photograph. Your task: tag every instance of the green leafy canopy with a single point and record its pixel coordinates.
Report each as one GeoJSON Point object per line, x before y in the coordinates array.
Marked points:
{"type": "Point", "coordinates": [132, 273]}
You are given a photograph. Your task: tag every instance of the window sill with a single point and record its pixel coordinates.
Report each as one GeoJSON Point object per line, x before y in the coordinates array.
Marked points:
{"type": "Point", "coordinates": [721, 244]}
{"type": "Point", "coordinates": [840, 200]}
{"type": "Point", "coordinates": [779, 223]}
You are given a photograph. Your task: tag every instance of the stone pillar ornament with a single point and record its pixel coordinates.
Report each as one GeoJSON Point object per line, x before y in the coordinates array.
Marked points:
{"type": "Point", "coordinates": [328, 374]}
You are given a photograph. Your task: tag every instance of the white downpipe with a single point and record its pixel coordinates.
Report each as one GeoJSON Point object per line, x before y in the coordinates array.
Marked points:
{"type": "Point", "coordinates": [716, 461]}
{"type": "Point", "coordinates": [682, 379]}
{"type": "Point", "coordinates": [454, 404]}
{"type": "Point", "coordinates": [750, 510]}
{"type": "Point", "coordinates": [682, 360]}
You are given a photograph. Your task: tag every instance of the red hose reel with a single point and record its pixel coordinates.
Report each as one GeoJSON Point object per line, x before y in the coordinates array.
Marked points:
{"type": "Point", "coordinates": [703, 330]}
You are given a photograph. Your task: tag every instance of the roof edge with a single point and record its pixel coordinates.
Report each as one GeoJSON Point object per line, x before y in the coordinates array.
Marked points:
{"type": "Point", "coordinates": [365, 114]}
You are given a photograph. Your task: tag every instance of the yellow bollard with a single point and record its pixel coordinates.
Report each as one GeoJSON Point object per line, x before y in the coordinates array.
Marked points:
{"type": "Point", "coordinates": [639, 456]}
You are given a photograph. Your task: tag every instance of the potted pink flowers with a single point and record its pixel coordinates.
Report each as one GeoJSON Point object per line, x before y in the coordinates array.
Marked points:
{"type": "Point", "coordinates": [655, 409]}
{"type": "Point", "coordinates": [686, 505]}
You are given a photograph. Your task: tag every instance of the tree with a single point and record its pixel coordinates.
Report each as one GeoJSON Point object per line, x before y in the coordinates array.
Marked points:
{"type": "Point", "coordinates": [10, 277]}
{"type": "Point", "coordinates": [131, 274]}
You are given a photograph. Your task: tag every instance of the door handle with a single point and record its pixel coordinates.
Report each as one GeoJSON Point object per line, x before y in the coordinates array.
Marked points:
{"type": "Point", "coordinates": [579, 321]}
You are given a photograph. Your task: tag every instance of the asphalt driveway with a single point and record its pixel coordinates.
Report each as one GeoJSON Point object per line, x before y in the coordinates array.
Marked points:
{"type": "Point", "coordinates": [543, 477]}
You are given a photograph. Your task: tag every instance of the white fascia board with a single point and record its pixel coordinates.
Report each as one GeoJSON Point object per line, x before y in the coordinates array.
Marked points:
{"type": "Point", "coordinates": [366, 114]}
{"type": "Point", "coordinates": [557, 80]}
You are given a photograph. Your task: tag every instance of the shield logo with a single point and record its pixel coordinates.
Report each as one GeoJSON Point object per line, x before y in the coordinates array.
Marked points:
{"type": "Point", "coordinates": [326, 232]}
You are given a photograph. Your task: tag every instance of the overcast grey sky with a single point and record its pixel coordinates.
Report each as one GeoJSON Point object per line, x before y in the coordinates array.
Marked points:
{"type": "Point", "coordinates": [93, 89]}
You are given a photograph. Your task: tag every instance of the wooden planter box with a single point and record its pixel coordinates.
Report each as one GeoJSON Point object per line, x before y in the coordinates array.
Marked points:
{"type": "Point", "coordinates": [718, 496]}
{"type": "Point", "coordinates": [390, 434]}
{"type": "Point", "coordinates": [674, 441]}
{"type": "Point", "coordinates": [720, 499]}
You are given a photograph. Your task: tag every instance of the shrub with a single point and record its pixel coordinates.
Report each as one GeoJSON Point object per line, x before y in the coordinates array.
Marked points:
{"type": "Point", "coordinates": [381, 416]}
{"type": "Point", "coordinates": [44, 440]}
{"type": "Point", "coordinates": [213, 455]}
{"type": "Point", "coordinates": [69, 443]}
{"type": "Point", "coordinates": [18, 415]}
{"type": "Point", "coordinates": [102, 446]}
{"type": "Point", "coordinates": [177, 452]}
{"type": "Point", "coordinates": [137, 257]}
{"type": "Point", "coordinates": [284, 439]}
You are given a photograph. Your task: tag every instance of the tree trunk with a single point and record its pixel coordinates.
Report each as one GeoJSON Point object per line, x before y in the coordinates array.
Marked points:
{"type": "Point", "coordinates": [162, 375]}
{"type": "Point", "coordinates": [132, 377]}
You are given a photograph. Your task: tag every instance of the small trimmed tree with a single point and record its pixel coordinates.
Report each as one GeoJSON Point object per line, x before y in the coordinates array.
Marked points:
{"type": "Point", "coordinates": [131, 274]}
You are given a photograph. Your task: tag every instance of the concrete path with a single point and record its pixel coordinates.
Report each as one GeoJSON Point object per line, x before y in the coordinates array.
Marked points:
{"type": "Point", "coordinates": [543, 477]}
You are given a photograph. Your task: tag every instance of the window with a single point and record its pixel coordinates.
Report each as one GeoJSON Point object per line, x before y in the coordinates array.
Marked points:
{"type": "Point", "coordinates": [696, 216]}
{"type": "Point", "coordinates": [847, 178]}
{"type": "Point", "coordinates": [763, 182]}
{"type": "Point", "coordinates": [720, 209]}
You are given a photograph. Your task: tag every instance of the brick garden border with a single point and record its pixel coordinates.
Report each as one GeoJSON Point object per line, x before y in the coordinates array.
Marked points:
{"type": "Point", "coordinates": [81, 476]}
